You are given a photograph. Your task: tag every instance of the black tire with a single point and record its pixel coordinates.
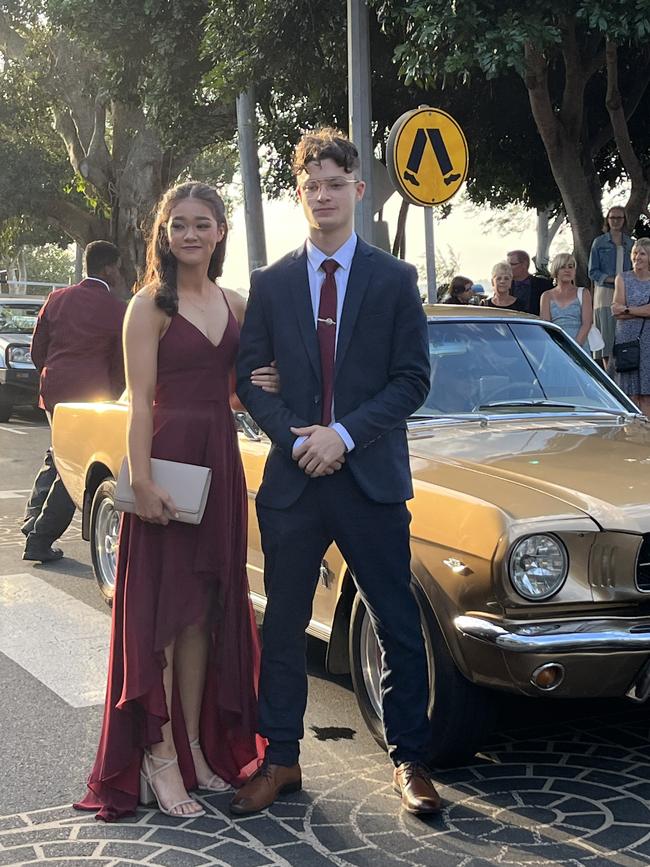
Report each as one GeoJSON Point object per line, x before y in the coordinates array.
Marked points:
{"type": "Point", "coordinates": [6, 410]}
{"type": "Point", "coordinates": [104, 523]}
{"type": "Point", "coordinates": [461, 713]}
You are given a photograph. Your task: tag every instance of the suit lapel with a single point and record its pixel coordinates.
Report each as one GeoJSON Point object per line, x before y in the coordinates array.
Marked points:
{"type": "Point", "coordinates": [356, 289]}
{"type": "Point", "coordinates": [299, 289]}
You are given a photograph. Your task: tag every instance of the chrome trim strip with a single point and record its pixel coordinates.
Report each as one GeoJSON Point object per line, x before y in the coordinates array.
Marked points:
{"type": "Point", "coordinates": [315, 628]}
{"type": "Point", "coordinates": [579, 636]}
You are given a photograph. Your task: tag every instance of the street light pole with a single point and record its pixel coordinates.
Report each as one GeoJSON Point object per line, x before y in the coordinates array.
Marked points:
{"type": "Point", "coordinates": [360, 109]}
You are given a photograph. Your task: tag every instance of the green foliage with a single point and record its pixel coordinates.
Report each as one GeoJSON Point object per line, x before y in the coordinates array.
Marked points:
{"type": "Point", "coordinates": [295, 54]}
{"type": "Point", "coordinates": [151, 58]}
{"type": "Point", "coordinates": [441, 39]}
{"type": "Point", "coordinates": [49, 264]}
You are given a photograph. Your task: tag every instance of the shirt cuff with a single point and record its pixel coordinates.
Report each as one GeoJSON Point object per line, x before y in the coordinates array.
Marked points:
{"type": "Point", "coordinates": [299, 441]}
{"type": "Point", "coordinates": [345, 436]}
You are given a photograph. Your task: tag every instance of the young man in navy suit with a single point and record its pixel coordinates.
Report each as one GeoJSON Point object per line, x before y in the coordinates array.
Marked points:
{"type": "Point", "coordinates": [77, 347]}
{"type": "Point", "coordinates": [344, 322]}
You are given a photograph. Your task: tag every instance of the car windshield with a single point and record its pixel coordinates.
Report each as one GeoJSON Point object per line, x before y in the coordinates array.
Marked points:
{"type": "Point", "coordinates": [489, 367]}
{"type": "Point", "coordinates": [18, 318]}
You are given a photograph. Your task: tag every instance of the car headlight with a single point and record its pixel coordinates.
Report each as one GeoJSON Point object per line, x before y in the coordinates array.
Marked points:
{"type": "Point", "coordinates": [19, 355]}
{"type": "Point", "coordinates": [538, 566]}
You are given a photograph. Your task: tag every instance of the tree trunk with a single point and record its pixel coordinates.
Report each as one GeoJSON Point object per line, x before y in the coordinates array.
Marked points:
{"type": "Point", "coordinates": [547, 229]}
{"type": "Point", "coordinates": [21, 289]}
{"type": "Point", "coordinates": [569, 159]}
{"type": "Point", "coordinates": [399, 242]}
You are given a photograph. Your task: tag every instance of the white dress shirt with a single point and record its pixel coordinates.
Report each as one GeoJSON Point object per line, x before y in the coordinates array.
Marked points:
{"type": "Point", "coordinates": [315, 258]}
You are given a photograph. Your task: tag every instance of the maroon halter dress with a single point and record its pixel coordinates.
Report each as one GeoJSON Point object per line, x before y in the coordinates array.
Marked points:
{"type": "Point", "coordinates": [174, 576]}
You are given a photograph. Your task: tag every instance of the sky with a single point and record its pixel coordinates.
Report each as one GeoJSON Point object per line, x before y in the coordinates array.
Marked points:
{"type": "Point", "coordinates": [470, 232]}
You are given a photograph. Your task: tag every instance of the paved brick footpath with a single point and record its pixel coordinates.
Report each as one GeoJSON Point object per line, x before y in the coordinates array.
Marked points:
{"type": "Point", "coordinates": [572, 794]}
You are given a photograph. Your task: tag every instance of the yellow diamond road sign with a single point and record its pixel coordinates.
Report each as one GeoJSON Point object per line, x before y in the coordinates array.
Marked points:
{"type": "Point", "coordinates": [427, 156]}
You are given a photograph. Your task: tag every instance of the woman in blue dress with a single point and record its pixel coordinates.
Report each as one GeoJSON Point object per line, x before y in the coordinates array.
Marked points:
{"type": "Point", "coordinates": [631, 308]}
{"type": "Point", "coordinates": [563, 305]}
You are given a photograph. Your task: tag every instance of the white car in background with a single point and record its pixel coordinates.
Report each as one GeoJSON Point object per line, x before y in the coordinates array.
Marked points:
{"type": "Point", "coordinates": [18, 375]}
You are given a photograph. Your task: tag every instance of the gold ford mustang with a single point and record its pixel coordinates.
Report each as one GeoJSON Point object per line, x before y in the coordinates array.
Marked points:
{"type": "Point", "coordinates": [530, 533]}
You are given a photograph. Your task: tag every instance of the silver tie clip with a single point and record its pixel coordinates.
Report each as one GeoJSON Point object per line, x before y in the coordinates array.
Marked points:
{"type": "Point", "coordinates": [327, 321]}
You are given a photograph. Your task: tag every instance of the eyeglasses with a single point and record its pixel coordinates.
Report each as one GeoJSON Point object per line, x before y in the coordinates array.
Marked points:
{"type": "Point", "coordinates": [331, 185]}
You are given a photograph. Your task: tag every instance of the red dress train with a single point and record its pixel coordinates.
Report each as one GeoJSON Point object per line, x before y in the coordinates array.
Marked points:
{"type": "Point", "coordinates": [171, 577]}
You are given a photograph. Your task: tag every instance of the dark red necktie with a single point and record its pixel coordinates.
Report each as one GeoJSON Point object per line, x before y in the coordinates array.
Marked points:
{"type": "Point", "coordinates": [326, 330]}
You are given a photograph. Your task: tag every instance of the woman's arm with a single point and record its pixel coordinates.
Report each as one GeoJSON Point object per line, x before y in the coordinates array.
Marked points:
{"type": "Point", "coordinates": [587, 317]}
{"type": "Point", "coordinates": [618, 304]}
{"type": "Point", "coordinates": [266, 378]}
{"type": "Point", "coordinates": [545, 306]}
{"type": "Point", "coordinates": [595, 267]}
{"type": "Point", "coordinates": [143, 326]}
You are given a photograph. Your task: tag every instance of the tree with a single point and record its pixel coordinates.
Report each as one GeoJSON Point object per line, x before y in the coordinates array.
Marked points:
{"type": "Point", "coordinates": [104, 90]}
{"type": "Point", "coordinates": [295, 53]}
{"type": "Point", "coordinates": [583, 64]}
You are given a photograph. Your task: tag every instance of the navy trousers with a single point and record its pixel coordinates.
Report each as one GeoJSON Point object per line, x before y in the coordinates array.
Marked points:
{"type": "Point", "coordinates": [374, 539]}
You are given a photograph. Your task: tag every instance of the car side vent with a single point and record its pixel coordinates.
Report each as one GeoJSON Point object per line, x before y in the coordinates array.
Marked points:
{"type": "Point", "coordinates": [602, 572]}
{"type": "Point", "coordinates": [643, 565]}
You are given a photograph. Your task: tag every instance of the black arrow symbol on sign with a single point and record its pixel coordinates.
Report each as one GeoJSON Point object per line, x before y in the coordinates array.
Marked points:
{"type": "Point", "coordinates": [439, 149]}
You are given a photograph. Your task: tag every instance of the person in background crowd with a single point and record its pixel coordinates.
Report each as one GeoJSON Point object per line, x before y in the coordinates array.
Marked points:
{"type": "Point", "coordinates": [610, 255]}
{"type": "Point", "coordinates": [503, 296]}
{"type": "Point", "coordinates": [526, 287]}
{"type": "Point", "coordinates": [77, 347]}
{"type": "Point", "coordinates": [460, 291]}
{"type": "Point", "coordinates": [478, 293]}
{"type": "Point", "coordinates": [562, 304]}
{"type": "Point", "coordinates": [631, 308]}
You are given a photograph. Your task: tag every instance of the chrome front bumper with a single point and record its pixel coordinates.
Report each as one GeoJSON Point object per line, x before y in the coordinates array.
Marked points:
{"type": "Point", "coordinates": [566, 636]}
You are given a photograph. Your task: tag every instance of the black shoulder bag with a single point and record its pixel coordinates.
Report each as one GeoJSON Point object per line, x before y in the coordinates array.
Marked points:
{"type": "Point", "coordinates": [627, 356]}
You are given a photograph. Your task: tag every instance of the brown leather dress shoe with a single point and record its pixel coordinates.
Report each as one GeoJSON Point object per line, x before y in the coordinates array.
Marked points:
{"type": "Point", "coordinates": [413, 782]}
{"type": "Point", "coordinates": [261, 790]}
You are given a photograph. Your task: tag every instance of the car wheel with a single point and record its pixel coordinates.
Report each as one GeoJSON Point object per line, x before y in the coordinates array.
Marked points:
{"type": "Point", "coordinates": [461, 714]}
{"type": "Point", "coordinates": [104, 528]}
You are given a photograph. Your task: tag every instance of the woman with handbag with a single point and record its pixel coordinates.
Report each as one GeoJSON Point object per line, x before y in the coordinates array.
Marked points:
{"type": "Point", "coordinates": [181, 701]}
{"type": "Point", "coordinates": [631, 308]}
{"type": "Point", "coordinates": [567, 306]}
{"type": "Point", "coordinates": [609, 256]}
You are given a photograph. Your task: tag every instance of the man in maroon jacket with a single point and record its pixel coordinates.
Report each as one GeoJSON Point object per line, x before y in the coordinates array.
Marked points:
{"type": "Point", "coordinates": [77, 347]}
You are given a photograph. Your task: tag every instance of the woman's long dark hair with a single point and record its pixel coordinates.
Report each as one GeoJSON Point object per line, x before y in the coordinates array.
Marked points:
{"type": "Point", "coordinates": [161, 267]}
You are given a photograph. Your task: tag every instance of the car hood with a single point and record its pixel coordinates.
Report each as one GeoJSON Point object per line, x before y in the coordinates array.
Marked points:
{"type": "Point", "coordinates": [599, 468]}
{"type": "Point", "coordinates": [14, 337]}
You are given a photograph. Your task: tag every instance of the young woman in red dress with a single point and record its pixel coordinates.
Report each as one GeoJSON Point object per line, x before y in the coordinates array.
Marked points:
{"type": "Point", "coordinates": [181, 699]}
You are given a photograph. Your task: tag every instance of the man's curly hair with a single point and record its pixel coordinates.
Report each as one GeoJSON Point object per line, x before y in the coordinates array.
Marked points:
{"type": "Point", "coordinates": [322, 144]}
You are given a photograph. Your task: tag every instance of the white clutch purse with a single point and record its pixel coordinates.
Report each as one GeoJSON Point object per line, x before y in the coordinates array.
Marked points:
{"type": "Point", "coordinates": [187, 485]}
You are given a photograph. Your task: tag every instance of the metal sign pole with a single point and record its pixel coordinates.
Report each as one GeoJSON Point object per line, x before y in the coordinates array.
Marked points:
{"type": "Point", "coordinates": [432, 290]}
{"type": "Point", "coordinates": [360, 111]}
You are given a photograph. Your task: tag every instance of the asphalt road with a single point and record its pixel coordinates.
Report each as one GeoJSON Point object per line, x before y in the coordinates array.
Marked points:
{"type": "Point", "coordinates": [559, 783]}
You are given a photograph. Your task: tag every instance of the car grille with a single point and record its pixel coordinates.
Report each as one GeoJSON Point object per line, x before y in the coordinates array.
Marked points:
{"type": "Point", "coordinates": [643, 565]}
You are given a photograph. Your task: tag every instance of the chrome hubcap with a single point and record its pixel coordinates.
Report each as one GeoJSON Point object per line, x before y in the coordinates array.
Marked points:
{"type": "Point", "coordinates": [106, 542]}
{"type": "Point", "coordinates": [371, 664]}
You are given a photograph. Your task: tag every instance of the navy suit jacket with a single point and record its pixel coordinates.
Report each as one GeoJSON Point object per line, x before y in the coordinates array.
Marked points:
{"type": "Point", "coordinates": [381, 372]}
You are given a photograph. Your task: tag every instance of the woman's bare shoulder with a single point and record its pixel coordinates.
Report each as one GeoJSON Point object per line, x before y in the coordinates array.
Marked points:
{"type": "Point", "coordinates": [237, 303]}
{"type": "Point", "coordinates": [143, 307]}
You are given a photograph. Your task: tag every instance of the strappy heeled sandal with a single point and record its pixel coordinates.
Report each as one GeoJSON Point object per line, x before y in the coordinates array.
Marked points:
{"type": "Point", "coordinates": [148, 793]}
{"type": "Point", "coordinates": [215, 783]}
